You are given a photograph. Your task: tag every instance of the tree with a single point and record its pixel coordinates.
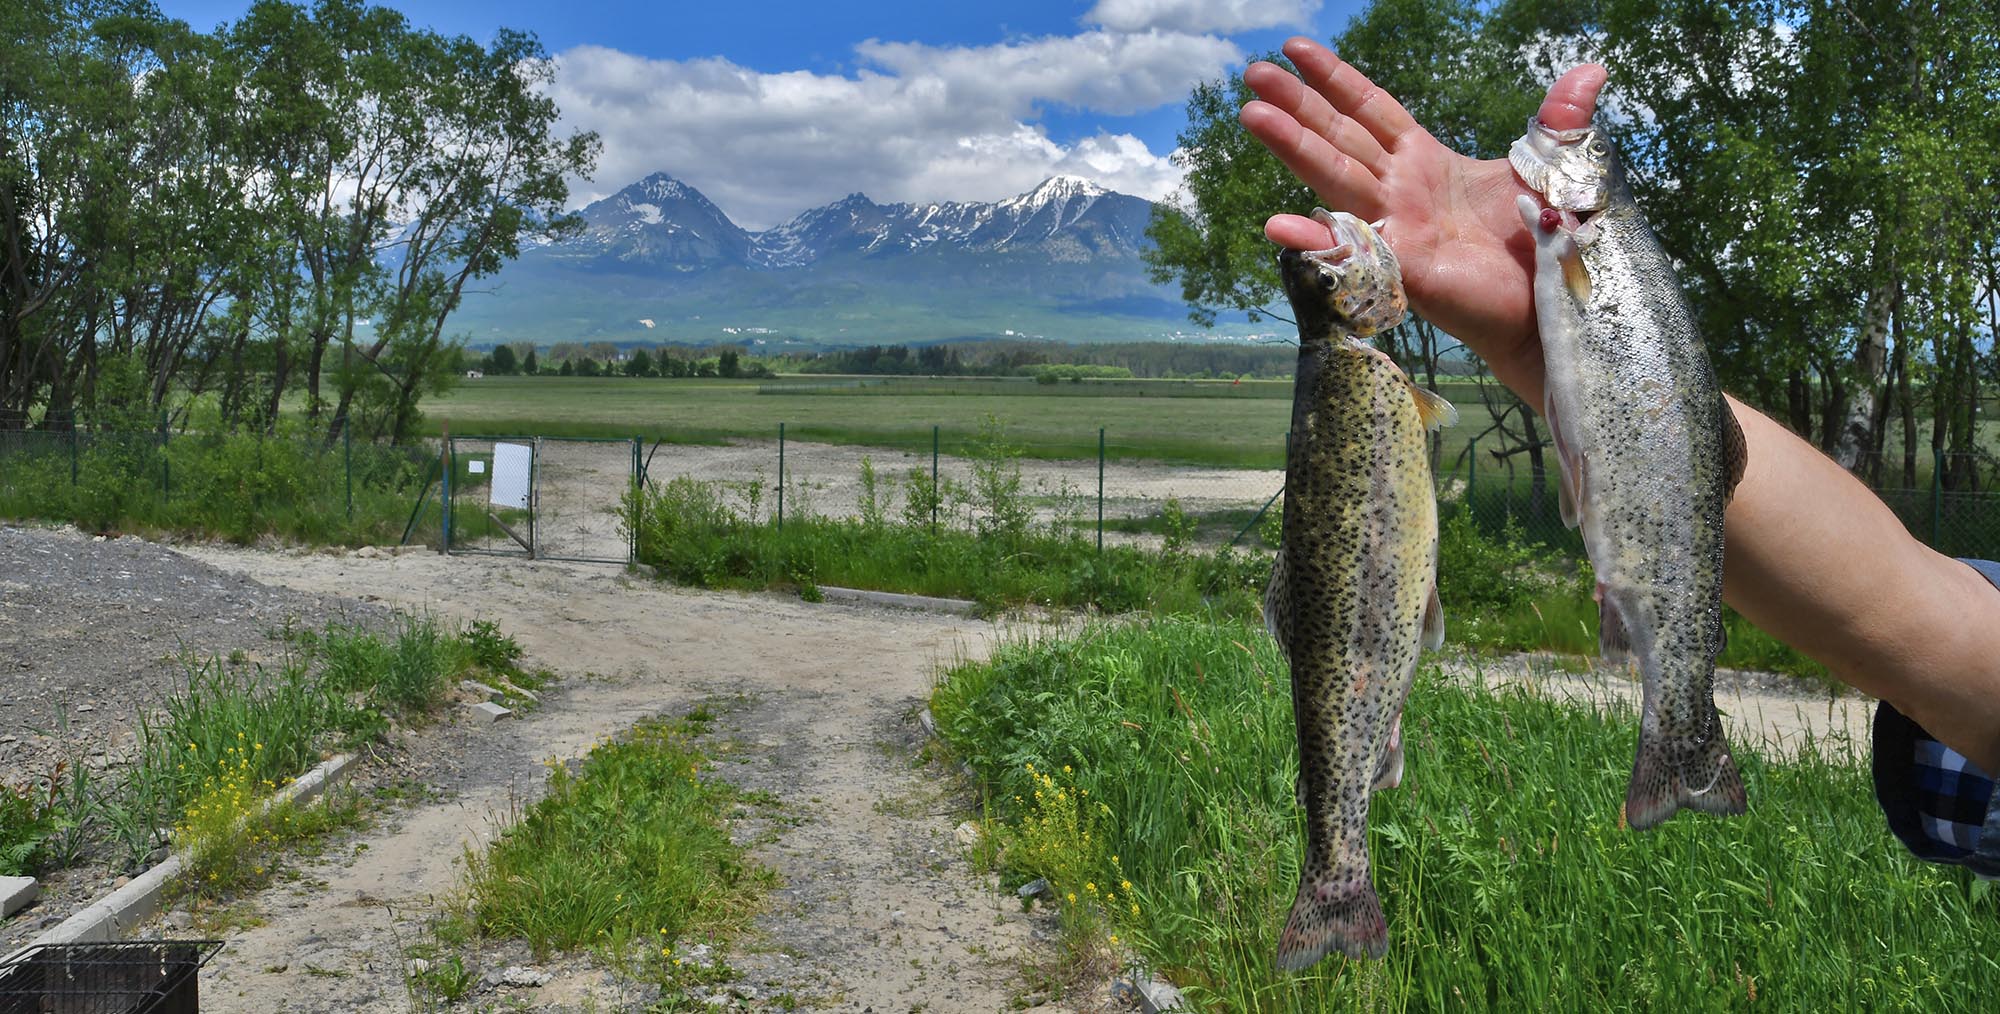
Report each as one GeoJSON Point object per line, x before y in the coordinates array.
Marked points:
{"type": "Point", "coordinates": [502, 360]}
{"type": "Point", "coordinates": [728, 364]}
{"type": "Point", "coordinates": [568, 368]}
{"type": "Point", "coordinates": [640, 365]}
{"type": "Point", "coordinates": [528, 365]}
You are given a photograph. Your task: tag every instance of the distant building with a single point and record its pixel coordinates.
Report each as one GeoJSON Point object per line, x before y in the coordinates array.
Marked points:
{"type": "Point", "coordinates": [473, 374]}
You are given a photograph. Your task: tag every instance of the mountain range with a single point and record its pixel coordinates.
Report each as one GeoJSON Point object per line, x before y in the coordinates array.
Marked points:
{"type": "Point", "coordinates": [658, 261]}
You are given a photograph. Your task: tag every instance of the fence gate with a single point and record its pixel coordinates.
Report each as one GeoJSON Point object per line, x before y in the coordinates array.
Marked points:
{"type": "Point", "coordinates": [547, 498]}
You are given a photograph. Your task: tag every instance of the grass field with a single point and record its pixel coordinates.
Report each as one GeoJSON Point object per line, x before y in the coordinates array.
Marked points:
{"type": "Point", "coordinates": [1192, 421]}
{"type": "Point", "coordinates": [1146, 771]}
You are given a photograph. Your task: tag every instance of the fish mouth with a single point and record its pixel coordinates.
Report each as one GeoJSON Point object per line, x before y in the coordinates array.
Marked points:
{"type": "Point", "coordinates": [1359, 278]}
{"type": "Point", "coordinates": [1568, 169]}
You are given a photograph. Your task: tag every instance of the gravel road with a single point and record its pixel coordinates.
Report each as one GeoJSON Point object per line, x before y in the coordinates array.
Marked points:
{"type": "Point", "coordinates": [93, 631]}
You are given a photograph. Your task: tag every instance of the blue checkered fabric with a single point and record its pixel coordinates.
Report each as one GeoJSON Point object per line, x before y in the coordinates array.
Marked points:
{"type": "Point", "coordinates": [1939, 804]}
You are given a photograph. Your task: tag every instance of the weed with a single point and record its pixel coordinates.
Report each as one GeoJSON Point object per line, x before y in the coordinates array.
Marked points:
{"type": "Point", "coordinates": [628, 856]}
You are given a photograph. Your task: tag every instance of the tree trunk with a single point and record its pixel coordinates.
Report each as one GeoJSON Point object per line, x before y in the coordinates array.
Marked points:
{"type": "Point", "coordinates": [1871, 356]}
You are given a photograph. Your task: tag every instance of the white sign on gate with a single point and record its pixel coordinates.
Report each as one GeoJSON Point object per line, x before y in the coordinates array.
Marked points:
{"type": "Point", "coordinates": [512, 466]}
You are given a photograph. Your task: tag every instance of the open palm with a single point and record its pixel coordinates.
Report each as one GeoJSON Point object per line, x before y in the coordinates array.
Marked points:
{"type": "Point", "coordinates": [1467, 263]}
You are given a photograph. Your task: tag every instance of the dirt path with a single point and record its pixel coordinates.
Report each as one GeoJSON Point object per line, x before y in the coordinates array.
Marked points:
{"type": "Point", "coordinates": [878, 909]}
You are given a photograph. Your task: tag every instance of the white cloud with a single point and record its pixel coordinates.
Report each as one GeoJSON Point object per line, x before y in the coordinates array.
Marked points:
{"type": "Point", "coordinates": [1202, 15]}
{"type": "Point", "coordinates": [916, 123]}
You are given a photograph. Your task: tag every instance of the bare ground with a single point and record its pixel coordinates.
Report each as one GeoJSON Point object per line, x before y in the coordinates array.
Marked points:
{"type": "Point", "coordinates": [878, 910]}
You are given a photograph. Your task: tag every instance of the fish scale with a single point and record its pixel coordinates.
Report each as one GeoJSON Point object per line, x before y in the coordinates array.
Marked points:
{"type": "Point", "coordinates": [1353, 592]}
{"type": "Point", "coordinates": [1649, 453]}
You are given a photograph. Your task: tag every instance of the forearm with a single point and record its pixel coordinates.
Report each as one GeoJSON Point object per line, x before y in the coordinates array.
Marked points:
{"type": "Point", "coordinates": [1818, 561]}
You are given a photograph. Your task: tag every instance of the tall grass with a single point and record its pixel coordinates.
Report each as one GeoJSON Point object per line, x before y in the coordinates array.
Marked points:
{"type": "Point", "coordinates": [1508, 883]}
{"type": "Point", "coordinates": [989, 545]}
{"type": "Point", "coordinates": [237, 486]}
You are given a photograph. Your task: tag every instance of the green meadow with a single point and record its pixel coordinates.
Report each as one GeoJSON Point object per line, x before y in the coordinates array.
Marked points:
{"type": "Point", "coordinates": [1208, 422]}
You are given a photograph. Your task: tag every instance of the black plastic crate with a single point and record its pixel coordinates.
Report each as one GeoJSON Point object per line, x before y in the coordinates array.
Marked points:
{"type": "Point", "coordinates": [133, 977]}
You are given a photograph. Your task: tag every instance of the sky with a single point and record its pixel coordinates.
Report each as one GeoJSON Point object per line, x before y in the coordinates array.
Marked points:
{"type": "Point", "coordinates": [775, 106]}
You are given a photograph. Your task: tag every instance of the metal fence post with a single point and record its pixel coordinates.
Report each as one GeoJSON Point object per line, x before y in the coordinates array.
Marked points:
{"type": "Point", "coordinates": [1100, 489]}
{"type": "Point", "coordinates": [1471, 473]}
{"type": "Point", "coordinates": [781, 477]}
{"type": "Point", "coordinates": [347, 453]}
{"type": "Point", "coordinates": [73, 440]}
{"type": "Point", "coordinates": [935, 496]}
{"type": "Point", "coordinates": [1937, 497]}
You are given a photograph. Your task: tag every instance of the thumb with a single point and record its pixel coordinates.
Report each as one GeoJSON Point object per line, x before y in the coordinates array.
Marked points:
{"type": "Point", "coordinates": [1572, 98]}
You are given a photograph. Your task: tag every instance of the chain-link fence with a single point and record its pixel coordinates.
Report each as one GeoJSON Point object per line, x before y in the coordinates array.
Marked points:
{"type": "Point", "coordinates": [240, 486]}
{"type": "Point", "coordinates": [1119, 497]}
{"type": "Point", "coordinates": [1112, 497]}
{"type": "Point", "coordinates": [312, 489]}
{"type": "Point", "coordinates": [1949, 502]}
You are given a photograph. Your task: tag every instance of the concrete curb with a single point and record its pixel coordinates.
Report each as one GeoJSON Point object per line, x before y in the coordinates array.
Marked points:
{"type": "Point", "coordinates": [896, 600]}
{"type": "Point", "coordinates": [111, 916]}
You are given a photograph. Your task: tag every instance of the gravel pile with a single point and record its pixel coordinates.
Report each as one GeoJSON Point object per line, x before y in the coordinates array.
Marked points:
{"type": "Point", "coordinates": [93, 631]}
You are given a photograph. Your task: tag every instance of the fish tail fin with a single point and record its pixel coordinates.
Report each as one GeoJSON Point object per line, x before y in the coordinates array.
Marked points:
{"type": "Point", "coordinates": [1682, 773]}
{"type": "Point", "coordinates": [1434, 409]}
{"type": "Point", "coordinates": [1336, 910]}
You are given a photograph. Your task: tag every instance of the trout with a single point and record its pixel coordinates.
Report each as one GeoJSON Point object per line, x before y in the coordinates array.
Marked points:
{"type": "Point", "coordinates": [1649, 454]}
{"type": "Point", "coordinates": [1353, 591]}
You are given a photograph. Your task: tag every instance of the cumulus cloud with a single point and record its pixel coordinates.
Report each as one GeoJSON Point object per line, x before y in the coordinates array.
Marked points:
{"type": "Point", "coordinates": [915, 123]}
{"type": "Point", "coordinates": [1201, 15]}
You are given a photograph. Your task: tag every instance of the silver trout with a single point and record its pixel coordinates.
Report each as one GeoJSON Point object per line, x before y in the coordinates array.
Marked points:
{"type": "Point", "coordinates": [1354, 589]}
{"type": "Point", "coordinates": [1649, 453]}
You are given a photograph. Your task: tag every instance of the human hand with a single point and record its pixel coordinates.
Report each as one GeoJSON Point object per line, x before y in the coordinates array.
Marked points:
{"type": "Point", "coordinates": [1468, 265]}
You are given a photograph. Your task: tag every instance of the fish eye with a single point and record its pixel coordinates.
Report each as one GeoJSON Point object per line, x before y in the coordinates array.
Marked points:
{"type": "Point", "coordinates": [1598, 149]}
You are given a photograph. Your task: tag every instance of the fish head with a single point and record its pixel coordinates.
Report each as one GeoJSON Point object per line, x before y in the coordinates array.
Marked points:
{"type": "Point", "coordinates": [1573, 170]}
{"type": "Point", "coordinates": [1353, 287]}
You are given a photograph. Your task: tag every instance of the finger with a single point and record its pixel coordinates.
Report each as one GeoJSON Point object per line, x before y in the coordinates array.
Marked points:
{"type": "Point", "coordinates": [1573, 98]}
{"type": "Point", "coordinates": [1351, 93]}
{"type": "Point", "coordinates": [1297, 232]}
{"type": "Point", "coordinates": [1344, 183]}
{"type": "Point", "coordinates": [1280, 88]}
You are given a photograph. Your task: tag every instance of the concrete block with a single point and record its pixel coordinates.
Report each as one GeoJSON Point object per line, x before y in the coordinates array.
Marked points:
{"type": "Point", "coordinates": [17, 893]}
{"type": "Point", "coordinates": [489, 712]}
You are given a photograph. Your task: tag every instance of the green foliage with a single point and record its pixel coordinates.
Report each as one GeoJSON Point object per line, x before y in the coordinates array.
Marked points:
{"type": "Point", "coordinates": [628, 854]}
{"type": "Point", "coordinates": [129, 138]}
{"type": "Point", "coordinates": [1507, 882]}
{"type": "Point", "coordinates": [26, 820]}
{"type": "Point", "coordinates": [241, 487]}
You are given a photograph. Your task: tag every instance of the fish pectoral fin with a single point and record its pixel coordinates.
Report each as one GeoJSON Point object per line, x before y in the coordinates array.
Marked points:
{"type": "Point", "coordinates": [1433, 621]}
{"type": "Point", "coordinates": [1735, 450]}
{"type": "Point", "coordinates": [1576, 277]}
{"type": "Point", "coordinates": [1277, 606]}
{"type": "Point", "coordinates": [1614, 640]}
{"type": "Point", "coordinates": [1433, 409]}
{"type": "Point", "coordinates": [1568, 462]}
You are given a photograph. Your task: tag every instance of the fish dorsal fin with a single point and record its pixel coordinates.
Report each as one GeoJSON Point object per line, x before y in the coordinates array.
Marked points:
{"type": "Point", "coordinates": [1432, 408]}
{"type": "Point", "coordinates": [1735, 451]}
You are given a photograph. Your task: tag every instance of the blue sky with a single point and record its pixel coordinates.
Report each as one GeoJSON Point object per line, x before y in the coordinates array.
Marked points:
{"type": "Point", "coordinates": [775, 106]}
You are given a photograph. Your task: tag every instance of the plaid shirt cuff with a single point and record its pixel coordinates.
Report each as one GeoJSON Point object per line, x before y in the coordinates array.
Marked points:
{"type": "Point", "coordinates": [1939, 804]}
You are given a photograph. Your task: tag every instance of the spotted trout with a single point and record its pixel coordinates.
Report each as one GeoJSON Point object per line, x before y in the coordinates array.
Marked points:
{"type": "Point", "coordinates": [1353, 592]}
{"type": "Point", "coordinates": [1649, 454]}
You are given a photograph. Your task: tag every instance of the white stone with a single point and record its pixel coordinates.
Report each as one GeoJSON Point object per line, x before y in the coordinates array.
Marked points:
{"type": "Point", "coordinates": [489, 712]}
{"type": "Point", "coordinates": [17, 893]}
